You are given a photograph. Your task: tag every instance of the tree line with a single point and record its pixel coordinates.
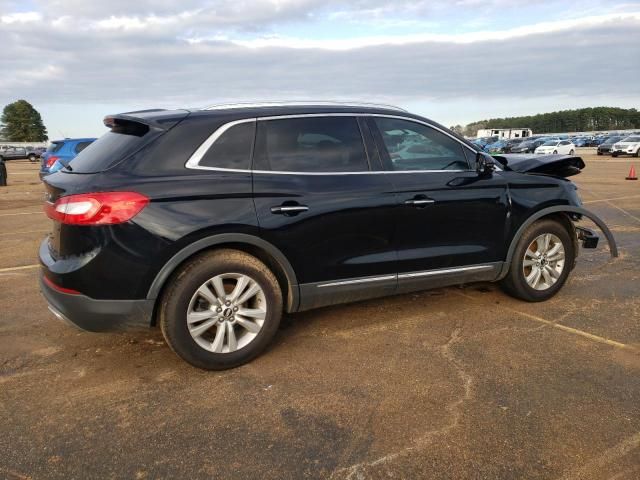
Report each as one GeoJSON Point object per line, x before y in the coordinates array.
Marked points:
{"type": "Point", "coordinates": [580, 120]}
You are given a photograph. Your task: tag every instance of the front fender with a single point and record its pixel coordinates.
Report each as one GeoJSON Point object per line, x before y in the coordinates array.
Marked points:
{"type": "Point", "coordinates": [613, 248]}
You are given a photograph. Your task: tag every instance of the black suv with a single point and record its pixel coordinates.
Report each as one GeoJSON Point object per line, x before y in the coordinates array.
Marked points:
{"type": "Point", "coordinates": [212, 223]}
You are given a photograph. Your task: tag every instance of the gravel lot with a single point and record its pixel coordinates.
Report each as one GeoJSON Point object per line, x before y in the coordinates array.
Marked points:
{"type": "Point", "coordinates": [452, 383]}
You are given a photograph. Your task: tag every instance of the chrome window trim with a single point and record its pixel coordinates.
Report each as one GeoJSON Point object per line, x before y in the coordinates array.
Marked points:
{"type": "Point", "coordinates": [404, 276]}
{"type": "Point", "coordinates": [197, 156]}
{"type": "Point", "coordinates": [194, 160]}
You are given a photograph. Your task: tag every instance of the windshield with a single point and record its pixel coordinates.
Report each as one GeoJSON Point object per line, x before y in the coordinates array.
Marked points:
{"type": "Point", "coordinates": [611, 140]}
{"type": "Point", "coordinates": [550, 143]}
{"type": "Point", "coordinates": [633, 139]}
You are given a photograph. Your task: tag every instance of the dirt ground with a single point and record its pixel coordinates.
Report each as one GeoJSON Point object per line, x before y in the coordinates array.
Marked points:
{"type": "Point", "coordinates": [457, 383]}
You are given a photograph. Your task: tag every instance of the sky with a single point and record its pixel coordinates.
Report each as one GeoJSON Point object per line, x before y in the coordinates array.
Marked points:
{"type": "Point", "coordinates": [455, 61]}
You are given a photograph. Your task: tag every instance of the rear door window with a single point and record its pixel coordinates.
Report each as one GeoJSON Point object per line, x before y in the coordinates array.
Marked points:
{"type": "Point", "coordinates": [310, 144]}
{"type": "Point", "coordinates": [232, 150]}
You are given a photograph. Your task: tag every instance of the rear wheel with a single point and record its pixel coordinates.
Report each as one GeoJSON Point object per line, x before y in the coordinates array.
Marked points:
{"type": "Point", "coordinates": [32, 158]}
{"type": "Point", "coordinates": [541, 262]}
{"type": "Point", "coordinates": [571, 152]}
{"type": "Point", "coordinates": [555, 152]}
{"type": "Point", "coordinates": [614, 154]}
{"type": "Point", "coordinates": [221, 310]}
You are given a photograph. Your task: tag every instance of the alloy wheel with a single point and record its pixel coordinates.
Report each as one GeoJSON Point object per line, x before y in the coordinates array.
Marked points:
{"type": "Point", "coordinates": [226, 312]}
{"type": "Point", "coordinates": [543, 261]}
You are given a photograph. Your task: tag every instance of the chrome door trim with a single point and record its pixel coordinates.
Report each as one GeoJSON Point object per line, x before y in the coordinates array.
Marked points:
{"type": "Point", "coordinates": [196, 157]}
{"type": "Point", "coordinates": [445, 271]}
{"type": "Point", "coordinates": [417, 274]}
{"type": "Point", "coordinates": [357, 280]}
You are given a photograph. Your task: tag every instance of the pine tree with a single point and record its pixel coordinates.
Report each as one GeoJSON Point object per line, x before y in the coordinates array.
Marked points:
{"type": "Point", "coordinates": [20, 122]}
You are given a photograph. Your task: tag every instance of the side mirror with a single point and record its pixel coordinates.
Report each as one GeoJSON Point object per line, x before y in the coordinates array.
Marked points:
{"type": "Point", "coordinates": [484, 164]}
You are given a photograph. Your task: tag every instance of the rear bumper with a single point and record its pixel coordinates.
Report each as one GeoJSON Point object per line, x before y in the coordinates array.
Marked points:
{"type": "Point", "coordinates": [97, 315]}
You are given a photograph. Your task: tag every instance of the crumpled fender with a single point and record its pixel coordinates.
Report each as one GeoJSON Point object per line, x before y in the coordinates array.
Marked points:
{"type": "Point", "coordinates": [613, 248]}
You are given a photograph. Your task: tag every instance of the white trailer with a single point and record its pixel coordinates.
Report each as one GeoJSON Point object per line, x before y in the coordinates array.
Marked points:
{"type": "Point", "coordinates": [505, 132]}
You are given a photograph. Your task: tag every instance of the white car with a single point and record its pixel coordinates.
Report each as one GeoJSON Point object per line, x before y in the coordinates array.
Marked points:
{"type": "Point", "coordinates": [628, 146]}
{"type": "Point", "coordinates": [560, 147]}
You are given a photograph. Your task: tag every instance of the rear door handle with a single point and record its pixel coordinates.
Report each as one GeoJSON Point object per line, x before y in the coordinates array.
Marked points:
{"type": "Point", "coordinates": [289, 209]}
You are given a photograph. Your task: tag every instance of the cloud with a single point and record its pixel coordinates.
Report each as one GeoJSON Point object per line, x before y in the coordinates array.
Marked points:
{"type": "Point", "coordinates": [167, 53]}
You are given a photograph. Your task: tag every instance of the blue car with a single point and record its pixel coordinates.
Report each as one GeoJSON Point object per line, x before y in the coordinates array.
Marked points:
{"type": "Point", "coordinates": [60, 153]}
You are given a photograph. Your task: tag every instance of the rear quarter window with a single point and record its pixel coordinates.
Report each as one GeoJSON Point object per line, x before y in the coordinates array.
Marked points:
{"type": "Point", "coordinates": [232, 149]}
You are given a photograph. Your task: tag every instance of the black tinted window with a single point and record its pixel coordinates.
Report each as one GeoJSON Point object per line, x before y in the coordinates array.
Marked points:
{"type": "Point", "coordinates": [232, 149]}
{"type": "Point", "coordinates": [413, 146]}
{"type": "Point", "coordinates": [313, 144]}
{"type": "Point", "coordinates": [120, 142]}
{"type": "Point", "coordinates": [81, 146]}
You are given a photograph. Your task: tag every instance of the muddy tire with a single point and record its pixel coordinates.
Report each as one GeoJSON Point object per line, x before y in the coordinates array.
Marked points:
{"type": "Point", "coordinates": [541, 262]}
{"type": "Point", "coordinates": [221, 309]}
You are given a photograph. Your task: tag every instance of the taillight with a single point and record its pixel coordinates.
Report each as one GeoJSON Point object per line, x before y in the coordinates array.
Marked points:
{"type": "Point", "coordinates": [105, 208]}
{"type": "Point", "coordinates": [51, 160]}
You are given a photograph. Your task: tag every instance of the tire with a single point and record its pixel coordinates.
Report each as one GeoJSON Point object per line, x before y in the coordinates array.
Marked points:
{"type": "Point", "coordinates": [555, 152]}
{"type": "Point", "coordinates": [637, 153]}
{"type": "Point", "coordinates": [32, 158]}
{"type": "Point", "coordinates": [614, 154]}
{"type": "Point", "coordinates": [571, 152]}
{"type": "Point", "coordinates": [599, 152]}
{"type": "Point", "coordinates": [515, 283]}
{"type": "Point", "coordinates": [204, 350]}
{"type": "Point", "coordinates": [3, 175]}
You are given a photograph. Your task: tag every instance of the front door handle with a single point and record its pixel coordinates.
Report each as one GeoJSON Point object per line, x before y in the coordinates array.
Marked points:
{"type": "Point", "coordinates": [289, 209]}
{"type": "Point", "coordinates": [419, 201]}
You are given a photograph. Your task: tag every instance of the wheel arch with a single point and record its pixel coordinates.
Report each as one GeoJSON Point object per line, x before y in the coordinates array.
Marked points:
{"type": "Point", "coordinates": [259, 248]}
{"type": "Point", "coordinates": [557, 212]}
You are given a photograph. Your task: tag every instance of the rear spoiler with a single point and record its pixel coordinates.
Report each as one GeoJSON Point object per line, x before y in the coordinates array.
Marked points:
{"type": "Point", "coordinates": [156, 118]}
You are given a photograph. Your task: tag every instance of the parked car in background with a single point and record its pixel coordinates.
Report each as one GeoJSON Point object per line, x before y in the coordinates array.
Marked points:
{"type": "Point", "coordinates": [61, 152]}
{"type": "Point", "coordinates": [511, 143]}
{"type": "Point", "coordinates": [496, 147]}
{"type": "Point", "coordinates": [213, 223]}
{"type": "Point", "coordinates": [528, 146]}
{"type": "Point", "coordinates": [559, 147]}
{"type": "Point", "coordinates": [628, 146]}
{"type": "Point", "coordinates": [606, 146]}
{"type": "Point", "coordinates": [34, 153]}
{"type": "Point", "coordinates": [482, 142]}
{"type": "Point", "coordinates": [13, 153]}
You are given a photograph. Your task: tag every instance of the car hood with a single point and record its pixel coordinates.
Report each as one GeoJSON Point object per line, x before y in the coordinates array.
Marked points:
{"type": "Point", "coordinates": [557, 165]}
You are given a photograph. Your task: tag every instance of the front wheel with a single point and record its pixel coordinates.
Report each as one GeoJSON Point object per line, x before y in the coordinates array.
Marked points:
{"type": "Point", "coordinates": [32, 158]}
{"type": "Point", "coordinates": [221, 309]}
{"type": "Point", "coordinates": [614, 155]}
{"type": "Point", "coordinates": [541, 262]}
{"type": "Point", "coordinates": [555, 152]}
{"type": "Point", "coordinates": [571, 152]}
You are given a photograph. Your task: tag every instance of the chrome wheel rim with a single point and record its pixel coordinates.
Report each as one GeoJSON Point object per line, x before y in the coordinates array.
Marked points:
{"type": "Point", "coordinates": [226, 313]}
{"type": "Point", "coordinates": [543, 261]}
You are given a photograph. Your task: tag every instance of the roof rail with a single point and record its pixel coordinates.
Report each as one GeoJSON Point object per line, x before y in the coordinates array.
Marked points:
{"type": "Point", "coordinates": [226, 106]}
